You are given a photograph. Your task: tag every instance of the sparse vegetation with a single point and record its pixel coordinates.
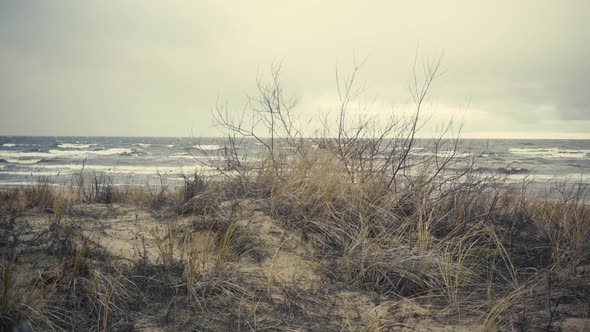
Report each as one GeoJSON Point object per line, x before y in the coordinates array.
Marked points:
{"type": "Point", "coordinates": [345, 232]}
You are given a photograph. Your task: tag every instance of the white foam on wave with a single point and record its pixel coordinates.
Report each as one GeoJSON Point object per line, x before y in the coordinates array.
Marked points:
{"type": "Point", "coordinates": [21, 157]}
{"type": "Point", "coordinates": [107, 152]}
{"type": "Point", "coordinates": [170, 146]}
{"type": "Point", "coordinates": [9, 145]}
{"type": "Point", "coordinates": [210, 147]}
{"type": "Point", "coordinates": [183, 155]}
{"type": "Point", "coordinates": [440, 154]}
{"type": "Point", "coordinates": [551, 153]}
{"type": "Point", "coordinates": [145, 145]}
{"type": "Point", "coordinates": [112, 151]}
{"type": "Point", "coordinates": [20, 154]}
{"type": "Point", "coordinates": [143, 170]}
{"type": "Point", "coordinates": [74, 146]}
{"type": "Point", "coordinates": [195, 157]}
{"type": "Point", "coordinates": [571, 177]}
{"type": "Point", "coordinates": [23, 161]}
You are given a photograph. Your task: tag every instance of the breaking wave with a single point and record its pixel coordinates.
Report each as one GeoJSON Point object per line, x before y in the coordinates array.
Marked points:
{"type": "Point", "coordinates": [74, 146]}
{"type": "Point", "coordinates": [210, 147]}
{"type": "Point", "coordinates": [35, 156]}
{"type": "Point", "coordinates": [500, 170]}
{"type": "Point", "coordinates": [551, 153]}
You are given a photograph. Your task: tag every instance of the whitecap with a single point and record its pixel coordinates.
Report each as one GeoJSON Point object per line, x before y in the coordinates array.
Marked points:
{"type": "Point", "coordinates": [142, 170]}
{"type": "Point", "coordinates": [112, 151]}
{"type": "Point", "coordinates": [183, 155]}
{"type": "Point", "coordinates": [107, 152]}
{"type": "Point", "coordinates": [570, 177]}
{"type": "Point", "coordinates": [74, 146]}
{"type": "Point", "coordinates": [208, 147]}
{"type": "Point", "coordinates": [62, 153]}
{"type": "Point", "coordinates": [145, 145]}
{"type": "Point", "coordinates": [441, 154]}
{"type": "Point", "coordinates": [552, 153]}
{"type": "Point", "coordinates": [9, 145]}
{"type": "Point", "coordinates": [23, 161]}
{"type": "Point", "coordinates": [19, 154]}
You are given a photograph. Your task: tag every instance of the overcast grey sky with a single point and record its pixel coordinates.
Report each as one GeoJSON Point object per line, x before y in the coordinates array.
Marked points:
{"type": "Point", "coordinates": [156, 68]}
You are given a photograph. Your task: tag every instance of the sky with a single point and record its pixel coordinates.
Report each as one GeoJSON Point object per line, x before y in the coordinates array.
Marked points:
{"type": "Point", "coordinates": [512, 69]}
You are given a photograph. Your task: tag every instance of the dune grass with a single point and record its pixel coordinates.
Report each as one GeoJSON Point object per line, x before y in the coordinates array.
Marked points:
{"type": "Point", "coordinates": [376, 239]}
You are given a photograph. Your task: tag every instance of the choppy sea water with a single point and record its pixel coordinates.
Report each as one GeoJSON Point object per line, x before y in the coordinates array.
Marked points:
{"type": "Point", "coordinates": [129, 160]}
{"type": "Point", "coordinates": [147, 160]}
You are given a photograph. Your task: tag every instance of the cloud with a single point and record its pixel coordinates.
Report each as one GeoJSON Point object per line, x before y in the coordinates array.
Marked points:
{"type": "Point", "coordinates": [156, 68]}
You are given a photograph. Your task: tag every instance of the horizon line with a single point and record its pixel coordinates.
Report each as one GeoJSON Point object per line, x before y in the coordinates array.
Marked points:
{"type": "Point", "coordinates": [476, 136]}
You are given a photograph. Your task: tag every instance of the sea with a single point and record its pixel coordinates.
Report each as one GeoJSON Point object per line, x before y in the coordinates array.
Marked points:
{"type": "Point", "coordinates": [157, 160]}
